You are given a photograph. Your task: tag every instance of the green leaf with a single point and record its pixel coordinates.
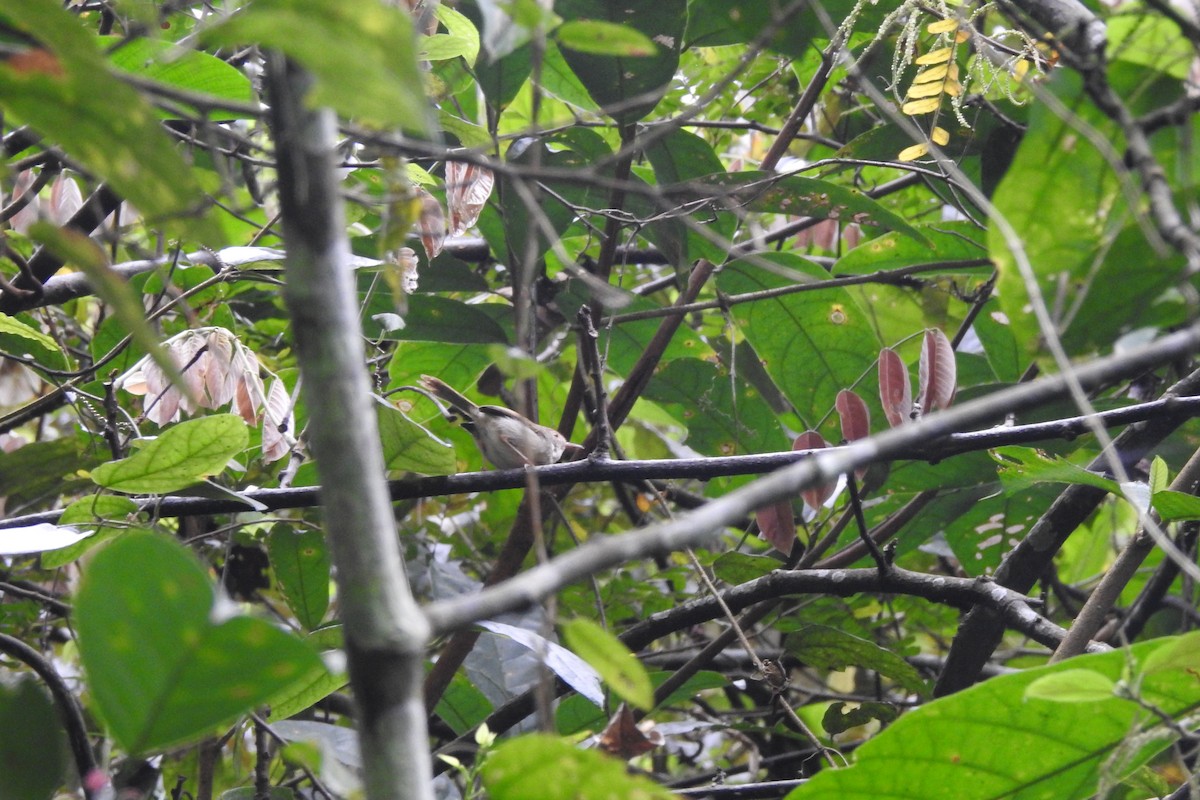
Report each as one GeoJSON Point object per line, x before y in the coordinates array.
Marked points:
{"type": "Point", "coordinates": [463, 707]}
{"type": "Point", "coordinates": [604, 38]}
{"type": "Point", "coordinates": [410, 447]}
{"type": "Point", "coordinates": [719, 423]}
{"type": "Point", "coordinates": [109, 514]}
{"type": "Point", "coordinates": [161, 671]}
{"type": "Point", "coordinates": [1181, 653]}
{"type": "Point", "coordinates": [67, 93]}
{"type": "Point", "coordinates": [1022, 467]}
{"type": "Point", "coordinates": [628, 87]}
{"type": "Point", "coordinates": [944, 242]}
{"type": "Point", "coordinates": [186, 69]}
{"type": "Point", "coordinates": [33, 747]}
{"type": "Point", "coordinates": [1160, 476]}
{"type": "Point", "coordinates": [436, 319]}
{"type": "Point", "coordinates": [1072, 686]}
{"type": "Point", "coordinates": [300, 561]}
{"type": "Point", "coordinates": [616, 665]}
{"type": "Point", "coordinates": [830, 648]}
{"type": "Point", "coordinates": [1076, 254]}
{"type": "Point", "coordinates": [1173, 506]}
{"type": "Point", "coordinates": [813, 344]}
{"type": "Point", "coordinates": [735, 568]}
{"type": "Point", "coordinates": [36, 471]}
{"type": "Point", "coordinates": [363, 60]}
{"type": "Point", "coordinates": [677, 158]}
{"type": "Point", "coordinates": [993, 741]}
{"type": "Point", "coordinates": [180, 456]}
{"type": "Point", "coordinates": [809, 197]}
{"type": "Point", "coordinates": [542, 767]}
{"type": "Point", "coordinates": [19, 339]}
{"type": "Point", "coordinates": [838, 719]}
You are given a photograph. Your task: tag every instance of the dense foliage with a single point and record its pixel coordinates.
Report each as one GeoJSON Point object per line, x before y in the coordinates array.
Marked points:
{"type": "Point", "coordinates": [929, 265]}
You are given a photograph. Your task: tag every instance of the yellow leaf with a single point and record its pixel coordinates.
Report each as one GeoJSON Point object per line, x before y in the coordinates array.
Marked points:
{"type": "Point", "coordinates": [1020, 69]}
{"type": "Point", "coordinates": [942, 26]}
{"type": "Point", "coordinates": [961, 37]}
{"type": "Point", "coordinates": [952, 88]}
{"type": "Point", "coordinates": [918, 90]}
{"type": "Point", "coordinates": [939, 56]}
{"type": "Point", "coordinates": [921, 106]}
{"type": "Point", "coordinates": [913, 153]}
{"type": "Point", "coordinates": [939, 135]}
{"type": "Point", "coordinates": [932, 74]}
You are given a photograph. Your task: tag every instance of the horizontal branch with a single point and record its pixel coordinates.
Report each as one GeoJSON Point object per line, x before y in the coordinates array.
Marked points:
{"type": "Point", "coordinates": [704, 468]}
{"type": "Point", "coordinates": [962, 593]}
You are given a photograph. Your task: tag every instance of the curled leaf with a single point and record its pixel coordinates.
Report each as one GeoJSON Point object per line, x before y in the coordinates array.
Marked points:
{"type": "Point", "coordinates": [468, 187]}
{"type": "Point", "coordinates": [895, 388]}
{"type": "Point", "coordinates": [856, 420]}
{"type": "Point", "coordinates": [431, 225]}
{"type": "Point", "coordinates": [938, 372]}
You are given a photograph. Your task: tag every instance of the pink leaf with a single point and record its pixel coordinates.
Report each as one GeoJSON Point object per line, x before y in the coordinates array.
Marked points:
{"type": "Point", "coordinates": [856, 419]}
{"type": "Point", "coordinates": [938, 373]}
{"type": "Point", "coordinates": [65, 199]}
{"type": "Point", "coordinates": [777, 525]}
{"type": "Point", "coordinates": [895, 388]}
{"type": "Point", "coordinates": [816, 496]}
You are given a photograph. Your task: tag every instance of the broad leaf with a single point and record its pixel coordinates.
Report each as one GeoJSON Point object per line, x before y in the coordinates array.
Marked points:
{"type": "Point", "coordinates": [813, 343]}
{"type": "Point", "coordinates": [1021, 467]}
{"type": "Point", "coordinates": [66, 91]}
{"type": "Point", "coordinates": [300, 561]}
{"type": "Point", "coordinates": [364, 60]}
{"type": "Point", "coordinates": [161, 668]}
{"type": "Point", "coordinates": [993, 740]}
{"type": "Point", "coordinates": [616, 665]}
{"type": "Point", "coordinates": [540, 767]}
{"type": "Point", "coordinates": [627, 87]}
{"type": "Point", "coordinates": [182, 455]}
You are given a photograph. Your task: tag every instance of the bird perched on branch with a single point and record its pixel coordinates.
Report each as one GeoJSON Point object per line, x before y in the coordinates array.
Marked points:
{"type": "Point", "coordinates": [506, 438]}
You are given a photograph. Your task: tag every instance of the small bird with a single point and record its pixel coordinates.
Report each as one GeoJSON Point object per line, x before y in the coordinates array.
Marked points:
{"type": "Point", "coordinates": [505, 438]}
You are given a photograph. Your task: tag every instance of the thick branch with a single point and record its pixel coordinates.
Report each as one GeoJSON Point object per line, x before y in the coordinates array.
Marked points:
{"type": "Point", "coordinates": [385, 631]}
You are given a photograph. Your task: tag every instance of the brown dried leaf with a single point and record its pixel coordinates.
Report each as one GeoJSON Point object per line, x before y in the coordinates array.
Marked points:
{"type": "Point", "coordinates": [277, 422]}
{"type": "Point", "coordinates": [468, 186]}
{"type": "Point", "coordinates": [431, 225]}
{"type": "Point", "coordinates": [624, 739]}
{"type": "Point", "coordinates": [895, 388]}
